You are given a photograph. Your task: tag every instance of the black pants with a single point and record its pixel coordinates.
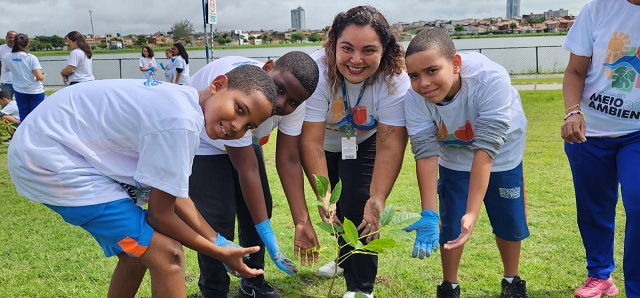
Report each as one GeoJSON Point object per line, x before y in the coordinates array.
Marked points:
{"type": "Point", "coordinates": [359, 270]}
{"type": "Point", "coordinates": [215, 189]}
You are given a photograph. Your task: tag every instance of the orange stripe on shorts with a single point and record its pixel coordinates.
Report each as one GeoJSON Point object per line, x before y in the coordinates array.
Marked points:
{"type": "Point", "coordinates": [132, 247]}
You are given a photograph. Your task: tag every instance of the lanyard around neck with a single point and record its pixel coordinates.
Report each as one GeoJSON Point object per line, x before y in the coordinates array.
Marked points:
{"type": "Point", "coordinates": [345, 97]}
{"type": "Point", "coordinates": [347, 106]}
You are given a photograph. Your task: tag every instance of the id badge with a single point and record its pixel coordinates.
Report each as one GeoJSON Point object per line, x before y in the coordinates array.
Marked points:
{"type": "Point", "coordinates": [349, 148]}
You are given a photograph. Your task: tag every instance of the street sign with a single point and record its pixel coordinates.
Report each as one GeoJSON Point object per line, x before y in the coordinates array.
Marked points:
{"type": "Point", "coordinates": [212, 18]}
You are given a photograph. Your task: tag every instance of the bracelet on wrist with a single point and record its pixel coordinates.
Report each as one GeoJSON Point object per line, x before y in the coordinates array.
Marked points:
{"type": "Point", "coordinates": [571, 113]}
{"type": "Point", "coordinates": [571, 108]}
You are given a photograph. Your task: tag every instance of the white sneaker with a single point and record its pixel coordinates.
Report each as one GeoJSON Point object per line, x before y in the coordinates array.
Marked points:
{"type": "Point", "coordinates": [329, 269]}
{"type": "Point", "coordinates": [353, 295]}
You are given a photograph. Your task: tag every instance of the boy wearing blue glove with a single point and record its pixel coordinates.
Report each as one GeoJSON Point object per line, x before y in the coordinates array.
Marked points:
{"type": "Point", "coordinates": [466, 123]}
{"type": "Point", "coordinates": [239, 184]}
{"type": "Point", "coordinates": [74, 154]}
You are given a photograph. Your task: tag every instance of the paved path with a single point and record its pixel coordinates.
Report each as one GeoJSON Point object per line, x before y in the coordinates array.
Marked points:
{"type": "Point", "coordinates": [539, 87]}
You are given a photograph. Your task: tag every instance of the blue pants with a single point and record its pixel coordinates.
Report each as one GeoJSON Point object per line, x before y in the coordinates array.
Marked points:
{"type": "Point", "coordinates": [27, 103]}
{"type": "Point", "coordinates": [599, 166]}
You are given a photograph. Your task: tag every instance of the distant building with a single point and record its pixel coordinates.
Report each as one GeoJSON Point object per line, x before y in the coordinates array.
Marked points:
{"type": "Point", "coordinates": [298, 20]}
{"type": "Point", "coordinates": [513, 8]}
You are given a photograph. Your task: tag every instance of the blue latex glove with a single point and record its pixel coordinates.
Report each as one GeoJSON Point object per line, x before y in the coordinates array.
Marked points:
{"type": "Point", "coordinates": [427, 234]}
{"type": "Point", "coordinates": [152, 69]}
{"type": "Point", "coordinates": [269, 238]}
{"type": "Point", "coordinates": [162, 66]}
{"type": "Point", "coordinates": [223, 242]}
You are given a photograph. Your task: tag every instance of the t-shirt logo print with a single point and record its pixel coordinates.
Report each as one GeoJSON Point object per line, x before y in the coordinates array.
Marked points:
{"type": "Point", "coordinates": [151, 82]}
{"type": "Point", "coordinates": [624, 62]}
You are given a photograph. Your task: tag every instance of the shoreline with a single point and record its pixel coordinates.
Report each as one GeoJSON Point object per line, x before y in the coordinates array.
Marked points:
{"type": "Point", "coordinates": [279, 45]}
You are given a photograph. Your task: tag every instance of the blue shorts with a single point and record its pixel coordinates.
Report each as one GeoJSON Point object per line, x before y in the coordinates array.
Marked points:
{"type": "Point", "coordinates": [504, 201]}
{"type": "Point", "coordinates": [118, 226]}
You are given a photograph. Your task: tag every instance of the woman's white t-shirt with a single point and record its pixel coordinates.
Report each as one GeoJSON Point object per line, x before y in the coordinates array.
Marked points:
{"type": "Point", "coordinates": [83, 71]}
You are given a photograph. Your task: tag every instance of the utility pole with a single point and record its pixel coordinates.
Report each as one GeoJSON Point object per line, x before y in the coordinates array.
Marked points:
{"type": "Point", "coordinates": [93, 34]}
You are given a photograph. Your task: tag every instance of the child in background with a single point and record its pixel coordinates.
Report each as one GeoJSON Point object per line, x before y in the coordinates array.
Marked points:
{"type": "Point", "coordinates": [9, 110]}
{"type": "Point", "coordinates": [147, 63]}
{"type": "Point", "coordinates": [168, 68]}
{"type": "Point", "coordinates": [147, 140]}
{"type": "Point", "coordinates": [180, 64]}
{"type": "Point", "coordinates": [464, 115]}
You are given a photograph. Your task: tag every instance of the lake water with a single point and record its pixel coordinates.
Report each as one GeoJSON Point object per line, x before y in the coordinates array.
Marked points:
{"type": "Point", "coordinates": [519, 55]}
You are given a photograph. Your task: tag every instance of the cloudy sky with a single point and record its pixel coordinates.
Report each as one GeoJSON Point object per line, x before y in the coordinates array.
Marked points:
{"type": "Point", "coordinates": [48, 17]}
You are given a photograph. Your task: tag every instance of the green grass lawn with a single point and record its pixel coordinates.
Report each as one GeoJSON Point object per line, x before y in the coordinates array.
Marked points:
{"type": "Point", "coordinates": [43, 256]}
{"type": "Point", "coordinates": [529, 81]}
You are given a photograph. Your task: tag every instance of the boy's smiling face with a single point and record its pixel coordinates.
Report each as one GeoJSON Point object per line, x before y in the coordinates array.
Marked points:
{"type": "Point", "coordinates": [433, 76]}
{"type": "Point", "coordinates": [230, 113]}
{"type": "Point", "coordinates": [290, 91]}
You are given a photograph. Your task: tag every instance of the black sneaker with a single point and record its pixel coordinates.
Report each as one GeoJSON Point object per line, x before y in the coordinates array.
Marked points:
{"type": "Point", "coordinates": [446, 290]}
{"type": "Point", "coordinates": [260, 290]}
{"type": "Point", "coordinates": [516, 289]}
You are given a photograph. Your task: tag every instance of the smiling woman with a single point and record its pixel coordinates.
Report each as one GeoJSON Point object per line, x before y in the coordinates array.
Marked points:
{"type": "Point", "coordinates": [359, 94]}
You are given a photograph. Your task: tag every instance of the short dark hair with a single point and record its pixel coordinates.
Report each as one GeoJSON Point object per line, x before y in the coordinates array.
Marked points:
{"type": "Point", "coordinates": [303, 68]}
{"type": "Point", "coordinates": [4, 94]}
{"type": "Point", "coordinates": [248, 78]}
{"type": "Point", "coordinates": [436, 39]}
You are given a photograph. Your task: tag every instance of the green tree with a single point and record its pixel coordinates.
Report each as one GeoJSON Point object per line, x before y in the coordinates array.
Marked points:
{"type": "Point", "coordinates": [182, 29]}
{"type": "Point", "coordinates": [297, 36]}
{"type": "Point", "coordinates": [141, 40]}
{"type": "Point", "coordinates": [513, 25]}
{"type": "Point", "coordinates": [313, 37]}
{"type": "Point", "coordinates": [459, 28]}
{"type": "Point", "coordinates": [57, 42]}
{"type": "Point", "coordinates": [187, 40]}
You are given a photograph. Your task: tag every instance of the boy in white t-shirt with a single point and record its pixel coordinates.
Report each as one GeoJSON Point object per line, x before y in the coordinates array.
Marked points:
{"type": "Point", "coordinates": [466, 124]}
{"type": "Point", "coordinates": [73, 154]}
{"type": "Point", "coordinates": [9, 110]}
{"type": "Point", "coordinates": [240, 186]}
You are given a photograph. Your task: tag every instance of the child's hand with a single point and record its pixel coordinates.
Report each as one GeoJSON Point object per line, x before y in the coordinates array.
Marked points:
{"type": "Point", "coordinates": [305, 243]}
{"type": "Point", "coordinates": [328, 215]}
{"type": "Point", "coordinates": [233, 267]}
{"type": "Point", "coordinates": [427, 234]}
{"type": "Point", "coordinates": [468, 223]}
{"type": "Point", "coordinates": [269, 238]}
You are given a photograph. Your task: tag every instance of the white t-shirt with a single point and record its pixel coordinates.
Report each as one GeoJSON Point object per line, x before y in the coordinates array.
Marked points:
{"type": "Point", "coordinates": [290, 124]}
{"type": "Point", "coordinates": [5, 73]}
{"type": "Point", "coordinates": [168, 69]}
{"type": "Point", "coordinates": [83, 71]}
{"type": "Point", "coordinates": [69, 151]}
{"type": "Point", "coordinates": [146, 63]}
{"type": "Point", "coordinates": [382, 101]}
{"type": "Point", "coordinates": [184, 75]}
{"type": "Point", "coordinates": [485, 95]}
{"type": "Point", "coordinates": [21, 65]}
{"type": "Point", "coordinates": [11, 109]}
{"type": "Point", "coordinates": [608, 31]}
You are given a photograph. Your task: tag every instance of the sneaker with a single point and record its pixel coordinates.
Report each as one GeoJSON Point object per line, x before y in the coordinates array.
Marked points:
{"type": "Point", "coordinates": [596, 288]}
{"type": "Point", "coordinates": [446, 290]}
{"type": "Point", "coordinates": [516, 289]}
{"type": "Point", "coordinates": [329, 270]}
{"type": "Point", "coordinates": [350, 294]}
{"type": "Point", "coordinates": [263, 290]}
